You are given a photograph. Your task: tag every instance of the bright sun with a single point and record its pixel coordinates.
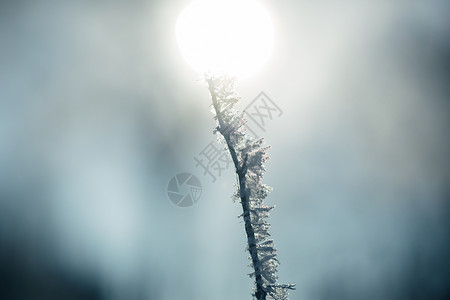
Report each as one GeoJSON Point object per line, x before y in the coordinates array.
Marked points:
{"type": "Point", "coordinates": [232, 37]}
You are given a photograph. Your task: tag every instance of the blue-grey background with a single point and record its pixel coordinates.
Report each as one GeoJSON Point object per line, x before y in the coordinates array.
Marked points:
{"type": "Point", "coordinates": [98, 111]}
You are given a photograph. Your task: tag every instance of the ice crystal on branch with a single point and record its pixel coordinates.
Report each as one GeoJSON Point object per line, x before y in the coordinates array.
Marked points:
{"type": "Point", "coordinates": [249, 156]}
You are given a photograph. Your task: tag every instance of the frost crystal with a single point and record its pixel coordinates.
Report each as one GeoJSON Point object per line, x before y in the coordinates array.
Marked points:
{"type": "Point", "coordinates": [249, 156]}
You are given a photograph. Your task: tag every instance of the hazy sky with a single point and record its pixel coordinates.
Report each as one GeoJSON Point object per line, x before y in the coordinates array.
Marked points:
{"type": "Point", "coordinates": [98, 110]}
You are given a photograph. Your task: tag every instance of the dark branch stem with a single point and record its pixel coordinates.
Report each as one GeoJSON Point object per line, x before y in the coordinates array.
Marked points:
{"type": "Point", "coordinates": [244, 195]}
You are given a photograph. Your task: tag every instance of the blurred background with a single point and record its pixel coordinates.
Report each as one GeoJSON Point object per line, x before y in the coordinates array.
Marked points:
{"type": "Point", "coordinates": [98, 110]}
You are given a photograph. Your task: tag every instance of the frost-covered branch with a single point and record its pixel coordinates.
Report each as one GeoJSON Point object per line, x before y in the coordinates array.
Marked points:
{"type": "Point", "coordinates": [248, 156]}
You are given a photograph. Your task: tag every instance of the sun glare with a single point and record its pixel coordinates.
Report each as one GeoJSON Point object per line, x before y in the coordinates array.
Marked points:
{"type": "Point", "coordinates": [232, 37]}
